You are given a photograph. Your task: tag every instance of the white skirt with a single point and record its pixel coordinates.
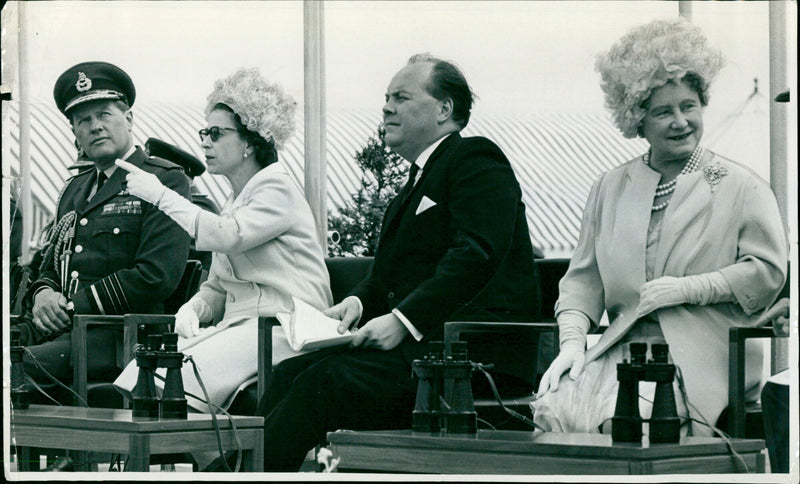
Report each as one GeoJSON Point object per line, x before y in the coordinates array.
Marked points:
{"type": "Point", "coordinates": [585, 404]}
{"type": "Point", "coordinates": [226, 357]}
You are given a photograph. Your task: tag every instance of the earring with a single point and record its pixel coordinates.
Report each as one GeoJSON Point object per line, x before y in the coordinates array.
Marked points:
{"type": "Point", "coordinates": [245, 154]}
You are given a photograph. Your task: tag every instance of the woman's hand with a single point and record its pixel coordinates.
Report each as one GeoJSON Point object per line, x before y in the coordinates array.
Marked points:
{"type": "Point", "coordinates": [660, 293]}
{"type": "Point", "coordinates": [187, 319]}
{"type": "Point", "coordinates": [142, 184]}
{"type": "Point", "coordinates": [571, 357]}
{"type": "Point", "coordinates": [697, 289]}
{"type": "Point", "coordinates": [778, 314]}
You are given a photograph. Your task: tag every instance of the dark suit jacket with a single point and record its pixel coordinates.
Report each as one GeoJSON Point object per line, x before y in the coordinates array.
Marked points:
{"type": "Point", "coordinates": [465, 255]}
{"type": "Point", "coordinates": [127, 254]}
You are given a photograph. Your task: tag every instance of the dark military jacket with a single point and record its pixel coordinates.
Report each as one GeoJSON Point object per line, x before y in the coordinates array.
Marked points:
{"type": "Point", "coordinates": [127, 255]}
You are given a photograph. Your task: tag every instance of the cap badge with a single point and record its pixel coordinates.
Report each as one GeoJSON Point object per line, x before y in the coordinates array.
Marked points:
{"type": "Point", "coordinates": [84, 83]}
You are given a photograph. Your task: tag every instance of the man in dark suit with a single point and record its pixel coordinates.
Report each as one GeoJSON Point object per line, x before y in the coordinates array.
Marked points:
{"type": "Point", "coordinates": [109, 252]}
{"type": "Point", "coordinates": [454, 245]}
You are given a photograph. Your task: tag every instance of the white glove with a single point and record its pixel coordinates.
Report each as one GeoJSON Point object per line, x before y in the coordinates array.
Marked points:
{"type": "Point", "coordinates": [667, 291]}
{"type": "Point", "coordinates": [181, 210]}
{"type": "Point", "coordinates": [571, 357]}
{"type": "Point", "coordinates": [188, 317]}
{"type": "Point", "coordinates": [142, 184]}
{"type": "Point", "coordinates": [573, 325]}
{"type": "Point", "coordinates": [147, 186]}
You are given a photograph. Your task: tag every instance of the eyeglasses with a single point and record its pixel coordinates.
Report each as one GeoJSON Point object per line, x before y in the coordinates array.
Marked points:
{"type": "Point", "coordinates": [213, 132]}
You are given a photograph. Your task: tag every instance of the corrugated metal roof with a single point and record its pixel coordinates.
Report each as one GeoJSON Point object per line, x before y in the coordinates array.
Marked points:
{"type": "Point", "coordinates": [556, 157]}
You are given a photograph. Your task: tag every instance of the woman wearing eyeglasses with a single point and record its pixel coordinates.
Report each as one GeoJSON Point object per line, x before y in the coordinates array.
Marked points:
{"type": "Point", "coordinates": [264, 241]}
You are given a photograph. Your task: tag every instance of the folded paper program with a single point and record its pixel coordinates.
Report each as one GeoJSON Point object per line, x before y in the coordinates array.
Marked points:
{"type": "Point", "coordinates": [308, 329]}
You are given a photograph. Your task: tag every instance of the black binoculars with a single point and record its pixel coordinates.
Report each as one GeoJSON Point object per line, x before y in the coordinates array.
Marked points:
{"type": "Point", "coordinates": [444, 392]}
{"type": "Point", "coordinates": [626, 425]}
{"type": "Point", "coordinates": [149, 357]}
{"type": "Point", "coordinates": [19, 394]}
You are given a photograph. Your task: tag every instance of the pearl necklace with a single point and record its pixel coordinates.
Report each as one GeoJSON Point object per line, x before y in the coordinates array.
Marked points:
{"type": "Point", "coordinates": [669, 187]}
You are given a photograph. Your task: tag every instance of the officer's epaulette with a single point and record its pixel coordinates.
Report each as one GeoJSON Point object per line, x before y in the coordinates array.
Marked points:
{"type": "Point", "coordinates": [80, 166]}
{"type": "Point", "coordinates": [162, 163]}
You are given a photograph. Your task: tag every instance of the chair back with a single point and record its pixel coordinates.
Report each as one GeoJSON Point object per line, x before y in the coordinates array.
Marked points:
{"type": "Point", "coordinates": [190, 281]}
{"type": "Point", "coordinates": [346, 273]}
{"type": "Point", "coordinates": [548, 274]}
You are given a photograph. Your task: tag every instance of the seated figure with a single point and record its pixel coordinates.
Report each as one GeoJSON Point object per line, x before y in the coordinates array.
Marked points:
{"type": "Point", "coordinates": [265, 246]}
{"type": "Point", "coordinates": [677, 245]}
{"type": "Point", "coordinates": [109, 252]}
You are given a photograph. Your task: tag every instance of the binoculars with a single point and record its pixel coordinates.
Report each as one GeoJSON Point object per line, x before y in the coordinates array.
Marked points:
{"type": "Point", "coordinates": [444, 392]}
{"type": "Point", "coordinates": [19, 395]}
{"type": "Point", "coordinates": [626, 425]}
{"type": "Point", "coordinates": [149, 357]}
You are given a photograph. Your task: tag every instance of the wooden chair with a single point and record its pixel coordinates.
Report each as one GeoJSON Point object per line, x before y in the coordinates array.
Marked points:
{"type": "Point", "coordinates": [345, 273]}
{"type": "Point", "coordinates": [744, 419]}
{"type": "Point", "coordinates": [538, 339]}
{"type": "Point", "coordinates": [134, 328]}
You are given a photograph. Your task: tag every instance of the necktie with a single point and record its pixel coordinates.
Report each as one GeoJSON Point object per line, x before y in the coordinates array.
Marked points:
{"type": "Point", "coordinates": [101, 178]}
{"type": "Point", "coordinates": [412, 177]}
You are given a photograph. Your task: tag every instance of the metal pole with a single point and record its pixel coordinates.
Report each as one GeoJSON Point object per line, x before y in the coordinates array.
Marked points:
{"type": "Point", "coordinates": [778, 132]}
{"type": "Point", "coordinates": [315, 141]}
{"type": "Point", "coordinates": [24, 138]}
{"type": "Point", "coordinates": [685, 9]}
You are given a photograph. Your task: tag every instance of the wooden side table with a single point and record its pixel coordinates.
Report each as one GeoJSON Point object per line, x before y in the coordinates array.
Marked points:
{"type": "Point", "coordinates": [115, 431]}
{"type": "Point", "coordinates": [523, 453]}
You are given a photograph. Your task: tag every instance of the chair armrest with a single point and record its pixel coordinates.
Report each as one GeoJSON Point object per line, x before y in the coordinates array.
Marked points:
{"type": "Point", "coordinates": [265, 325]}
{"type": "Point", "coordinates": [736, 391]}
{"type": "Point", "coordinates": [128, 324]}
{"type": "Point", "coordinates": [134, 329]}
{"type": "Point", "coordinates": [454, 329]}
{"type": "Point", "coordinates": [79, 349]}
{"type": "Point", "coordinates": [518, 360]}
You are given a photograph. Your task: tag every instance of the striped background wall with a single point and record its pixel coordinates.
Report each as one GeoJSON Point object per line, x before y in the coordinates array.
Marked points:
{"type": "Point", "coordinates": [556, 157]}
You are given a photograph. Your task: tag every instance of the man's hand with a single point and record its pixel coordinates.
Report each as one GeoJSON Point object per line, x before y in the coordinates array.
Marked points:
{"type": "Point", "coordinates": [384, 332]}
{"type": "Point", "coordinates": [778, 314]}
{"type": "Point", "coordinates": [50, 311]}
{"type": "Point", "coordinates": [347, 311]}
{"type": "Point", "coordinates": [142, 184]}
{"type": "Point", "coordinates": [571, 357]}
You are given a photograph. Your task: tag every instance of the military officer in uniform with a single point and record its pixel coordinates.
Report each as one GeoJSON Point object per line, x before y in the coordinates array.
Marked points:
{"type": "Point", "coordinates": [109, 252]}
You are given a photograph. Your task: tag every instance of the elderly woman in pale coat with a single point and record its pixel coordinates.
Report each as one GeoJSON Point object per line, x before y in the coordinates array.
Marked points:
{"type": "Point", "coordinates": [676, 245]}
{"type": "Point", "coordinates": [264, 241]}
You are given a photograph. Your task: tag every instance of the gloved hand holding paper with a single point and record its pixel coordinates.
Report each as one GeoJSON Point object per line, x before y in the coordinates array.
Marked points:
{"type": "Point", "coordinates": [308, 329]}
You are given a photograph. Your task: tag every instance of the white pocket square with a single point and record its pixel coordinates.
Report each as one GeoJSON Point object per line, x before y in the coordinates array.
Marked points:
{"type": "Point", "coordinates": [425, 204]}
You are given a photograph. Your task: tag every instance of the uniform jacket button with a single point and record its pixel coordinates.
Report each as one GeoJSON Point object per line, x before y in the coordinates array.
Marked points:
{"type": "Point", "coordinates": [390, 295]}
{"type": "Point", "coordinates": [75, 274]}
{"type": "Point", "coordinates": [83, 222]}
{"type": "Point", "coordinates": [78, 249]}
{"type": "Point", "coordinates": [116, 230]}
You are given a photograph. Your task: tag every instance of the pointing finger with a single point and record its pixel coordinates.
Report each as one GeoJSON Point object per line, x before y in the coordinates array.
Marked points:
{"type": "Point", "coordinates": [129, 167]}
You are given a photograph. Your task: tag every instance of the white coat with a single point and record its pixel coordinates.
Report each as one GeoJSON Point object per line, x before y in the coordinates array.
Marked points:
{"type": "Point", "coordinates": [265, 250]}
{"type": "Point", "coordinates": [732, 226]}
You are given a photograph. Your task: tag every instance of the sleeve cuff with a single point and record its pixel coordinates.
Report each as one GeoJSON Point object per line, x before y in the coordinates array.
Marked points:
{"type": "Point", "coordinates": [573, 326]}
{"type": "Point", "coordinates": [410, 327]}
